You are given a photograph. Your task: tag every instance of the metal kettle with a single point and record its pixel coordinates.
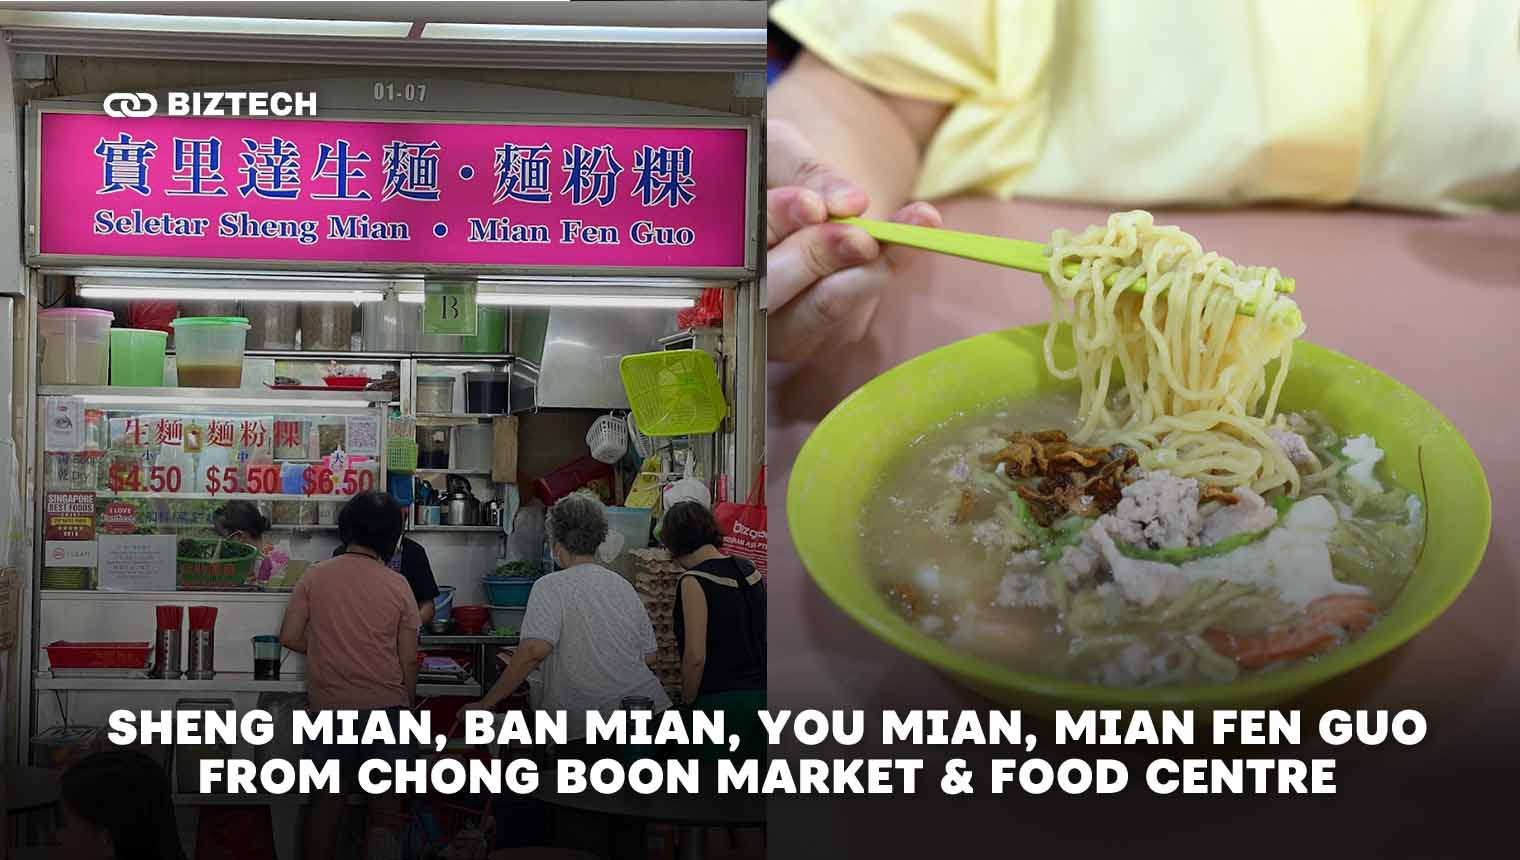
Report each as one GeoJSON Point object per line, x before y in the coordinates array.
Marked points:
{"type": "Point", "coordinates": [460, 507]}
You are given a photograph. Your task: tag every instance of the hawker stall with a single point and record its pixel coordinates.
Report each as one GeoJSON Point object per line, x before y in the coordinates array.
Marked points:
{"type": "Point", "coordinates": [242, 323]}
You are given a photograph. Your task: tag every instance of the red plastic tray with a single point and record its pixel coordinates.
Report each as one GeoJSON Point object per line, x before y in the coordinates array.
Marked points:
{"type": "Point", "coordinates": [98, 655]}
{"type": "Point", "coordinates": [570, 477]}
{"type": "Point", "coordinates": [346, 382]}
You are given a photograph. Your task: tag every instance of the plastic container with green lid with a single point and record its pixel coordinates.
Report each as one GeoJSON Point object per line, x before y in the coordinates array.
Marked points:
{"type": "Point", "coordinates": [75, 345]}
{"type": "Point", "coordinates": [137, 357]}
{"type": "Point", "coordinates": [209, 351]}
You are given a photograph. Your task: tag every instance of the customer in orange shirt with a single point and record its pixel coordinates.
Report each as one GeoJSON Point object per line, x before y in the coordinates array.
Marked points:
{"type": "Point", "coordinates": [356, 622]}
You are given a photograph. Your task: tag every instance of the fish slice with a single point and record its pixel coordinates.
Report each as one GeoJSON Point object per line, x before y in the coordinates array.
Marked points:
{"type": "Point", "coordinates": [1010, 253]}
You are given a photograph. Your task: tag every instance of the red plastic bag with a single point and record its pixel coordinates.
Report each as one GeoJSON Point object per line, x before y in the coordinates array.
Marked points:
{"type": "Point", "coordinates": [744, 527]}
{"type": "Point", "coordinates": [707, 311]}
{"type": "Point", "coordinates": [152, 315]}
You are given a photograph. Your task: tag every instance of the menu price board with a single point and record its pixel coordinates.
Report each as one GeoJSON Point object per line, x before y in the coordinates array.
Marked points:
{"type": "Point", "coordinates": [255, 480]}
{"type": "Point", "coordinates": [137, 478]}
{"type": "Point", "coordinates": [246, 435]}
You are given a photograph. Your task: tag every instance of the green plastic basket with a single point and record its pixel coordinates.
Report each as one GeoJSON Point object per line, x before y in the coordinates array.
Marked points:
{"type": "Point", "coordinates": [198, 570]}
{"type": "Point", "coordinates": [401, 456]}
{"type": "Point", "coordinates": [674, 393]}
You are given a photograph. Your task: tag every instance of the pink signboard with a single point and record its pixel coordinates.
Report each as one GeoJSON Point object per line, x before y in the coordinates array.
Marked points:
{"type": "Point", "coordinates": [357, 193]}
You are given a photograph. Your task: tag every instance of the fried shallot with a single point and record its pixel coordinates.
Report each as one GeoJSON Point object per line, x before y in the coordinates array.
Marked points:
{"type": "Point", "coordinates": [1074, 480]}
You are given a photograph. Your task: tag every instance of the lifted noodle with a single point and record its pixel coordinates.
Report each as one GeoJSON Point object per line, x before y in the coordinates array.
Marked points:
{"type": "Point", "coordinates": [1195, 371]}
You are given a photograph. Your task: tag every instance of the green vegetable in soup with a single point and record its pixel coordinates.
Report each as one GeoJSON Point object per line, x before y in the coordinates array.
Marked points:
{"type": "Point", "coordinates": [1183, 554]}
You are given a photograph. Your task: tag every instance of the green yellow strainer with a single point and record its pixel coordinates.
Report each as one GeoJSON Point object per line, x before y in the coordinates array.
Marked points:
{"type": "Point", "coordinates": [674, 392]}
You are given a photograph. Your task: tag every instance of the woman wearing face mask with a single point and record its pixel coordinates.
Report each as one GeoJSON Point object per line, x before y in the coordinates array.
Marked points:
{"type": "Point", "coordinates": [585, 627]}
{"type": "Point", "coordinates": [356, 622]}
{"type": "Point", "coordinates": [242, 523]}
{"type": "Point", "coordinates": [116, 805]}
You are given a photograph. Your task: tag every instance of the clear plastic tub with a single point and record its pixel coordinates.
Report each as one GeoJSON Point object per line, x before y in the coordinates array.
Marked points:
{"type": "Point", "coordinates": [473, 448]}
{"type": "Point", "coordinates": [389, 325]}
{"type": "Point", "coordinates": [435, 394]}
{"type": "Point", "coordinates": [433, 447]}
{"type": "Point", "coordinates": [274, 324]}
{"type": "Point", "coordinates": [75, 345]}
{"type": "Point", "coordinates": [486, 392]}
{"type": "Point", "coordinates": [632, 524]}
{"type": "Point", "coordinates": [137, 357]}
{"type": "Point", "coordinates": [327, 326]}
{"type": "Point", "coordinates": [209, 351]}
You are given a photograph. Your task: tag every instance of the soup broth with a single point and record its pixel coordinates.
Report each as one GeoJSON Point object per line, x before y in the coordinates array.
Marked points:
{"type": "Point", "coordinates": [965, 558]}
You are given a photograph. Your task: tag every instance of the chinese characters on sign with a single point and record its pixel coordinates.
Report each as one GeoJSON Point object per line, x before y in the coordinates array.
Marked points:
{"type": "Point", "coordinates": [393, 192]}
{"type": "Point", "coordinates": [272, 170]}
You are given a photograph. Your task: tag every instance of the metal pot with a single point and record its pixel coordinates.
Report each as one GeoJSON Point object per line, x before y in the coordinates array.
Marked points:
{"type": "Point", "coordinates": [461, 511]}
{"type": "Point", "coordinates": [461, 508]}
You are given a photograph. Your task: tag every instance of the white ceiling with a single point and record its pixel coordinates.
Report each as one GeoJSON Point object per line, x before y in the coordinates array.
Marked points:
{"type": "Point", "coordinates": [694, 35]}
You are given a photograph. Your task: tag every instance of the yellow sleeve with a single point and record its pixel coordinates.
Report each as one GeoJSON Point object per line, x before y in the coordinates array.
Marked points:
{"type": "Point", "coordinates": [987, 59]}
{"type": "Point", "coordinates": [926, 49]}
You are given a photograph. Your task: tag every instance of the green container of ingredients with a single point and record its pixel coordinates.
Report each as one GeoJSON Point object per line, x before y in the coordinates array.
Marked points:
{"type": "Point", "coordinates": [206, 563]}
{"type": "Point", "coordinates": [137, 357]}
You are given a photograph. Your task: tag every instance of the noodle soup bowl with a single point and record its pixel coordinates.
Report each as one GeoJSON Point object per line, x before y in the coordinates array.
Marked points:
{"type": "Point", "coordinates": [866, 436]}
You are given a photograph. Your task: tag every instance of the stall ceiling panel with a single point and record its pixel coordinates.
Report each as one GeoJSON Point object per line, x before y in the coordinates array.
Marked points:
{"type": "Point", "coordinates": [605, 13]}
{"type": "Point", "coordinates": [535, 37]}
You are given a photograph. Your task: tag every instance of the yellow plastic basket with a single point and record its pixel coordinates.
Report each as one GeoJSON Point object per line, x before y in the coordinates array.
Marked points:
{"type": "Point", "coordinates": [673, 393]}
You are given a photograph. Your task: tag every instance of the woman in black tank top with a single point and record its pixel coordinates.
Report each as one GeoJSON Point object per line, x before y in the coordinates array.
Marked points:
{"type": "Point", "coordinates": [719, 623]}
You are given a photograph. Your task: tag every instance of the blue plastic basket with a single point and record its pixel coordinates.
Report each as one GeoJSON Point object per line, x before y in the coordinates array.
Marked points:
{"type": "Point", "coordinates": [507, 590]}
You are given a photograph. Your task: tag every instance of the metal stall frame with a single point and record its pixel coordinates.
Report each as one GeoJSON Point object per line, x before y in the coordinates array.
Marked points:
{"type": "Point", "coordinates": [740, 460]}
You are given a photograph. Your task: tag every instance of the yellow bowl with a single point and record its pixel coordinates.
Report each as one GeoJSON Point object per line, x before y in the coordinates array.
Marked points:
{"type": "Point", "coordinates": [864, 437]}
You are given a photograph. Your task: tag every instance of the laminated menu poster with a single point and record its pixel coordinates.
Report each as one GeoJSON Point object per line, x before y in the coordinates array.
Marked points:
{"type": "Point", "coordinates": [188, 453]}
{"type": "Point", "coordinates": [154, 516]}
{"type": "Point", "coordinates": [68, 517]}
{"type": "Point", "coordinates": [137, 562]}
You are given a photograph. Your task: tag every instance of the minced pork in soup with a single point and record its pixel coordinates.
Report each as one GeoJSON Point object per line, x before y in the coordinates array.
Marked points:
{"type": "Point", "coordinates": [1003, 537]}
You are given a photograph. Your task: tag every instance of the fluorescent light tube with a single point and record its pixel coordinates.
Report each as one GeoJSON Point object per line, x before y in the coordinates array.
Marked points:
{"type": "Point", "coordinates": [270, 402]}
{"type": "Point", "coordinates": [205, 24]}
{"type": "Point", "coordinates": [214, 294]}
{"type": "Point", "coordinates": [568, 300]}
{"type": "Point", "coordinates": [585, 33]}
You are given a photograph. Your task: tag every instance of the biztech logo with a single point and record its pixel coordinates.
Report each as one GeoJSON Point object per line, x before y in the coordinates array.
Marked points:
{"type": "Point", "coordinates": [212, 104]}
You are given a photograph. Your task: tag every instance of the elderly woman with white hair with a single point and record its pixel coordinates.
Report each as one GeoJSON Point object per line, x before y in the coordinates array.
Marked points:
{"type": "Point", "coordinates": [585, 627]}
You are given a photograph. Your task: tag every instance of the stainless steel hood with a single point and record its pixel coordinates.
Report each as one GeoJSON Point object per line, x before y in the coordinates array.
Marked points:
{"type": "Point", "coordinates": [577, 351]}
